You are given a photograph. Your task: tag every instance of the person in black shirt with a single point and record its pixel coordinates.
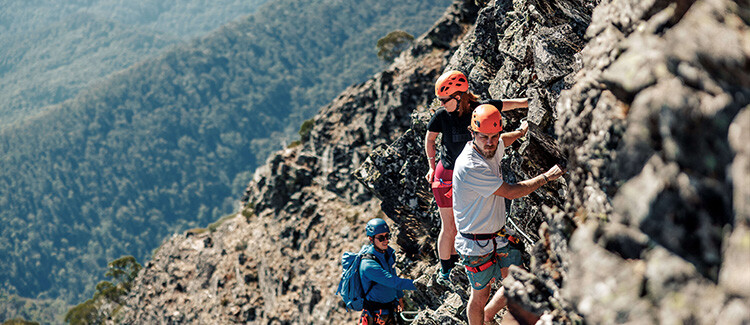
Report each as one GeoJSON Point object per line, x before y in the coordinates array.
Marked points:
{"type": "Point", "coordinates": [452, 121]}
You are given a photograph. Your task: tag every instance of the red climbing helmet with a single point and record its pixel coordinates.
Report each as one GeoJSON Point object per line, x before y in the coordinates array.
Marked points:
{"type": "Point", "coordinates": [486, 119]}
{"type": "Point", "coordinates": [450, 83]}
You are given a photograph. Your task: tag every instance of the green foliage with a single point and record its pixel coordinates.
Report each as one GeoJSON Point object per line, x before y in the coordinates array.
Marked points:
{"type": "Point", "coordinates": [168, 144]}
{"type": "Point", "coordinates": [212, 227]}
{"type": "Point", "coordinates": [248, 211]}
{"type": "Point", "coordinates": [84, 314]}
{"type": "Point", "coordinates": [390, 46]}
{"type": "Point", "coordinates": [42, 311]}
{"type": "Point", "coordinates": [294, 144]}
{"type": "Point", "coordinates": [19, 321]}
{"type": "Point", "coordinates": [305, 128]}
{"type": "Point", "coordinates": [109, 291]}
{"type": "Point", "coordinates": [196, 231]}
{"type": "Point", "coordinates": [241, 246]}
{"type": "Point", "coordinates": [123, 271]}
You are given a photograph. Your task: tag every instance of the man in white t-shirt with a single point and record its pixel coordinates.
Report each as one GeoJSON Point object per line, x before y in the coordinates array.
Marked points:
{"type": "Point", "coordinates": [479, 194]}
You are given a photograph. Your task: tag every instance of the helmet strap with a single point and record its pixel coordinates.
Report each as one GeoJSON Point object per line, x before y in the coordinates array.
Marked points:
{"type": "Point", "coordinates": [476, 147]}
{"type": "Point", "coordinates": [474, 140]}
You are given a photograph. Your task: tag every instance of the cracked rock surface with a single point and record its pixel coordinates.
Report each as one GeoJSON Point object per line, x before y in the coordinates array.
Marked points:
{"type": "Point", "coordinates": [646, 103]}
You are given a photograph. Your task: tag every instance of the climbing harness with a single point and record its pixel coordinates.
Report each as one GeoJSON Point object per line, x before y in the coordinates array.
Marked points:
{"type": "Point", "coordinates": [477, 237]}
{"type": "Point", "coordinates": [507, 235]}
{"type": "Point", "coordinates": [375, 311]}
{"type": "Point", "coordinates": [502, 233]}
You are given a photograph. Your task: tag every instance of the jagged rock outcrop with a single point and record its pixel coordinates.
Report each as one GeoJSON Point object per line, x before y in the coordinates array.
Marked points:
{"type": "Point", "coordinates": [517, 49]}
{"type": "Point", "coordinates": [277, 261]}
{"type": "Point", "coordinates": [645, 103]}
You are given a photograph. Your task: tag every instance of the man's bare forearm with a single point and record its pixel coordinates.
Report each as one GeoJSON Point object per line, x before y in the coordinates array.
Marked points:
{"type": "Point", "coordinates": [510, 137]}
{"type": "Point", "coordinates": [522, 188]}
{"type": "Point", "coordinates": [513, 103]}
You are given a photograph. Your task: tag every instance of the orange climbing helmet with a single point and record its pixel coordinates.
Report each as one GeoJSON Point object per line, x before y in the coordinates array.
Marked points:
{"type": "Point", "coordinates": [451, 82]}
{"type": "Point", "coordinates": [486, 119]}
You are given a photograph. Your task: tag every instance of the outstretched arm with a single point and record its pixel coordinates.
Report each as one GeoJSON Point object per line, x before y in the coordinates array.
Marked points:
{"type": "Point", "coordinates": [523, 188]}
{"type": "Point", "coordinates": [513, 103]}
{"type": "Point", "coordinates": [373, 271]}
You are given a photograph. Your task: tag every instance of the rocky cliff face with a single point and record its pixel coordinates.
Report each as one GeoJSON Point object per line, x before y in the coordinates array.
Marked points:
{"type": "Point", "coordinates": [656, 129]}
{"type": "Point", "coordinates": [645, 102]}
{"type": "Point", "coordinates": [278, 260]}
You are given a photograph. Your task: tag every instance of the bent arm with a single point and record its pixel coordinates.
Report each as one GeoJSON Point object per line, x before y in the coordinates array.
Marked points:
{"type": "Point", "coordinates": [429, 147]}
{"type": "Point", "coordinates": [373, 271]}
{"type": "Point", "coordinates": [509, 137]}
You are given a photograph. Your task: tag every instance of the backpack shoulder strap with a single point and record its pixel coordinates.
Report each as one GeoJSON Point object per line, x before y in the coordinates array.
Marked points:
{"type": "Point", "coordinates": [371, 256]}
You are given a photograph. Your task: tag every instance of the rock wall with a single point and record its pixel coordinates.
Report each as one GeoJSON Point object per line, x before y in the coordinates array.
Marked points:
{"type": "Point", "coordinates": [517, 49]}
{"type": "Point", "coordinates": [647, 107]}
{"type": "Point", "coordinates": [658, 183]}
{"type": "Point", "coordinates": [645, 103]}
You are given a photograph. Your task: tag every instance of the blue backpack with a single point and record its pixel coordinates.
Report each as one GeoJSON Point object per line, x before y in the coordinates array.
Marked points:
{"type": "Point", "coordinates": [350, 287]}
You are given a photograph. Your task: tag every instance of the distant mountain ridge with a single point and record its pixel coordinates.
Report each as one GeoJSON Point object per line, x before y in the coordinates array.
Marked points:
{"type": "Point", "coordinates": [151, 150]}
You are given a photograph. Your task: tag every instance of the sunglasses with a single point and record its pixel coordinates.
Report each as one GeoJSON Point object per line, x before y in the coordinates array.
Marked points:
{"type": "Point", "coordinates": [383, 237]}
{"type": "Point", "coordinates": [445, 100]}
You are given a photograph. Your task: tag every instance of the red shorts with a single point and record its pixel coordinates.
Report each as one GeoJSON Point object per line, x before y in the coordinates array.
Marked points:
{"type": "Point", "coordinates": [441, 186]}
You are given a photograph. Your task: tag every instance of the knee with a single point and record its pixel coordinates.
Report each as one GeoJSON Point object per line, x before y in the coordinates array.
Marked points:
{"type": "Point", "coordinates": [474, 303]}
{"type": "Point", "coordinates": [479, 297]}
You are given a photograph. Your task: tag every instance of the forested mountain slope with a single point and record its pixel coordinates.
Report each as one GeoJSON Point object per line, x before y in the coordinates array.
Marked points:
{"type": "Point", "coordinates": [53, 49]}
{"type": "Point", "coordinates": [170, 142]}
{"type": "Point", "coordinates": [51, 64]}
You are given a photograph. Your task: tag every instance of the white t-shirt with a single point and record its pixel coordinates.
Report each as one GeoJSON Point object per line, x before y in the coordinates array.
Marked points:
{"type": "Point", "coordinates": [476, 209]}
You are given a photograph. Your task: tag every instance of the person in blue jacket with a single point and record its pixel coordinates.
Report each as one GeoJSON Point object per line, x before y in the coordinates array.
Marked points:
{"type": "Point", "coordinates": [384, 297]}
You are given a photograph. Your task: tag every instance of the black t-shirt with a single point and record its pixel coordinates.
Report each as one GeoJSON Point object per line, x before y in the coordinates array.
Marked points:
{"type": "Point", "coordinates": [455, 131]}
